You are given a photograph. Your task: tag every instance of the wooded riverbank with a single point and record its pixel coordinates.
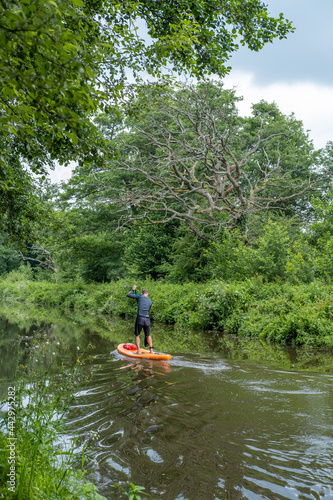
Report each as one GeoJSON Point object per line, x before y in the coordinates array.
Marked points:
{"type": "Point", "coordinates": [279, 312]}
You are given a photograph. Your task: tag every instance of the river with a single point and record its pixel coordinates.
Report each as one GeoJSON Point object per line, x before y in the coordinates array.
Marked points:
{"type": "Point", "coordinates": [224, 419]}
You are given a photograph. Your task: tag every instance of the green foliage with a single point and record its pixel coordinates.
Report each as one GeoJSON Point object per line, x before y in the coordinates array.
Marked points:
{"type": "Point", "coordinates": [289, 156]}
{"type": "Point", "coordinates": [148, 251]}
{"type": "Point", "coordinates": [21, 208]}
{"type": "Point", "coordinates": [230, 259]}
{"type": "Point", "coordinates": [63, 61]}
{"type": "Point", "coordinates": [134, 491]}
{"type": "Point", "coordinates": [302, 263]}
{"type": "Point", "coordinates": [91, 258]}
{"type": "Point", "coordinates": [279, 251]}
{"type": "Point", "coordinates": [197, 241]}
{"type": "Point", "coordinates": [186, 156]}
{"type": "Point", "coordinates": [281, 312]}
{"type": "Point", "coordinates": [214, 31]}
{"type": "Point", "coordinates": [273, 252]}
{"type": "Point", "coordinates": [43, 468]}
{"type": "Point", "coordinates": [87, 246]}
{"type": "Point", "coordinates": [297, 315]}
{"type": "Point", "coordinates": [188, 261]}
{"type": "Point", "coordinates": [321, 235]}
{"type": "Point", "coordinates": [8, 257]}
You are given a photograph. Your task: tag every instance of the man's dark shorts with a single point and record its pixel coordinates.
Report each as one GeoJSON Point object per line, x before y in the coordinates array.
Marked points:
{"type": "Point", "coordinates": [142, 322]}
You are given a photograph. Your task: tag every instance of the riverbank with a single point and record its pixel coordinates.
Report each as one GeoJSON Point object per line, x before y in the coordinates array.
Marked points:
{"type": "Point", "coordinates": [279, 312]}
{"type": "Point", "coordinates": [40, 460]}
{"type": "Point", "coordinates": [37, 461]}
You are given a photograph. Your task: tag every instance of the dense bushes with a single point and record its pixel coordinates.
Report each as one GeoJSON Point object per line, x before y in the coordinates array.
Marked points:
{"type": "Point", "coordinates": [281, 312]}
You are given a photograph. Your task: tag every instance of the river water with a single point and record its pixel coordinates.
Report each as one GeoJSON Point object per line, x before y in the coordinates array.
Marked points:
{"type": "Point", "coordinates": [221, 420]}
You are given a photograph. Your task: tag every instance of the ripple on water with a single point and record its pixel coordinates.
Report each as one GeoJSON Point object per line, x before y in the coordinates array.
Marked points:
{"type": "Point", "coordinates": [111, 439]}
{"type": "Point", "coordinates": [154, 456]}
{"type": "Point", "coordinates": [279, 471]}
{"type": "Point", "coordinates": [225, 431]}
{"type": "Point", "coordinates": [208, 367]}
{"type": "Point", "coordinates": [118, 466]}
{"type": "Point", "coordinates": [105, 426]}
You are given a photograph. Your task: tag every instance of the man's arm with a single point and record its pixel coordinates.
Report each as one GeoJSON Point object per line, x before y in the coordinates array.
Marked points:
{"type": "Point", "coordinates": [132, 294]}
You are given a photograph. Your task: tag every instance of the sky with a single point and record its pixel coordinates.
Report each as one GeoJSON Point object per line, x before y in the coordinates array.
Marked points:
{"type": "Point", "coordinates": [296, 73]}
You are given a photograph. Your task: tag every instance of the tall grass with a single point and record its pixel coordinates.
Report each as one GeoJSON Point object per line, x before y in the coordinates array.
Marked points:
{"type": "Point", "coordinates": [281, 312]}
{"type": "Point", "coordinates": [45, 467]}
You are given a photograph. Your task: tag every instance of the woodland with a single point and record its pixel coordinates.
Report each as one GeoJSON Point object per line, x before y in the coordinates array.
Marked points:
{"type": "Point", "coordinates": [226, 219]}
{"type": "Point", "coordinates": [171, 185]}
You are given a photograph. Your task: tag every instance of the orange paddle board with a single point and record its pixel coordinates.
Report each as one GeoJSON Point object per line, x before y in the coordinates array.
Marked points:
{"type": "Point", "coordinates": [144, 353]}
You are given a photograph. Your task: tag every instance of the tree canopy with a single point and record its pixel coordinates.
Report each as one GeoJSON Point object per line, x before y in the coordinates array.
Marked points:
{"type": "Point", "coordinates": [186, 189]}
{"type": "Point", "coordinates": [189, 157]}
{"type": "Point", "coordinates": [62, 61]}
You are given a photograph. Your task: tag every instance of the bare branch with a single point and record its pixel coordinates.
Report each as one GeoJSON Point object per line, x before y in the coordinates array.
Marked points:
{"type": "Point", "coordinates": [189, 164]}
{"type": "Point", "coordinates": [48, 263]}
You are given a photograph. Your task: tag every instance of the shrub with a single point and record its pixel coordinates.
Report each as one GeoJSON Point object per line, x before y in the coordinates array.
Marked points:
{"type": "Point", "coordinates": [283, 312]}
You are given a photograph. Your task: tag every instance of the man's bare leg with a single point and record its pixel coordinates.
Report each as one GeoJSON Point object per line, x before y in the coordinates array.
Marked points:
{"type": "Point", "coordinates": [150, 343]}
{"type": "Point", "coordinates": [137, 342]}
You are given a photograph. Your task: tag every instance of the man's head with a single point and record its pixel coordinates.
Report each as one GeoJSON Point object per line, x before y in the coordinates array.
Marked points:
{"type": "Point", "coordinates": [145, 292]}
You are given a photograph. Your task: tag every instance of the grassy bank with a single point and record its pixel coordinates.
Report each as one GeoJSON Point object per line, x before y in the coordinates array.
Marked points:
{"type": "Point", "coordinates": [280, 312]}
{"type": "Point", "coordinates": [34, 461]}
{"type": "Point", "coordinates": [38, 460]}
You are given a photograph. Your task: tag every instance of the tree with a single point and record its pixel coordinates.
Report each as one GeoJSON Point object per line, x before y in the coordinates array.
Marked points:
{"type": "Point", "coordinates": [148, 251]}
{"type": "Point", "coordinates": [321, 233]}
{"type": "Point", "coordinates": [62, 61]}
{"type": "Point", "coordinates": [193, 159]}
{"type": "Point", "coordinates": [8, 257]}
{"type": "Point", "coordinates": [21, 206]}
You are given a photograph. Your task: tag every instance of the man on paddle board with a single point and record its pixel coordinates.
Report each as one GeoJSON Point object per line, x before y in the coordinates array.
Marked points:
{"type": "Point", "coordinates": [142, 319]}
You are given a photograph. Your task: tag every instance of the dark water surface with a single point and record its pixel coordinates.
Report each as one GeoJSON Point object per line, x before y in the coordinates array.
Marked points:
{"type": "Point", "coordinates": [206, 425]}
{"type": "Point", "coordinates": [222, 430]}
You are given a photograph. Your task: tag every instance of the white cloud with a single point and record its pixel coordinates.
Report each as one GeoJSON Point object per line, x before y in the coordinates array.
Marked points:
{"type": "Point", "coordinates": [310, 102]}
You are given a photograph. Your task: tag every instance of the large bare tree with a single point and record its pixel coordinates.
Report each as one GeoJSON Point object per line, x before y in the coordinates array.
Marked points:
{"type": "Point", "coordinates": [193, 159]}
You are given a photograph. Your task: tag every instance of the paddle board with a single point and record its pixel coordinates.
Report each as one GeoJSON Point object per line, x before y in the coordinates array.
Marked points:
{"type": "Point", "coordinates": [144, 353]}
